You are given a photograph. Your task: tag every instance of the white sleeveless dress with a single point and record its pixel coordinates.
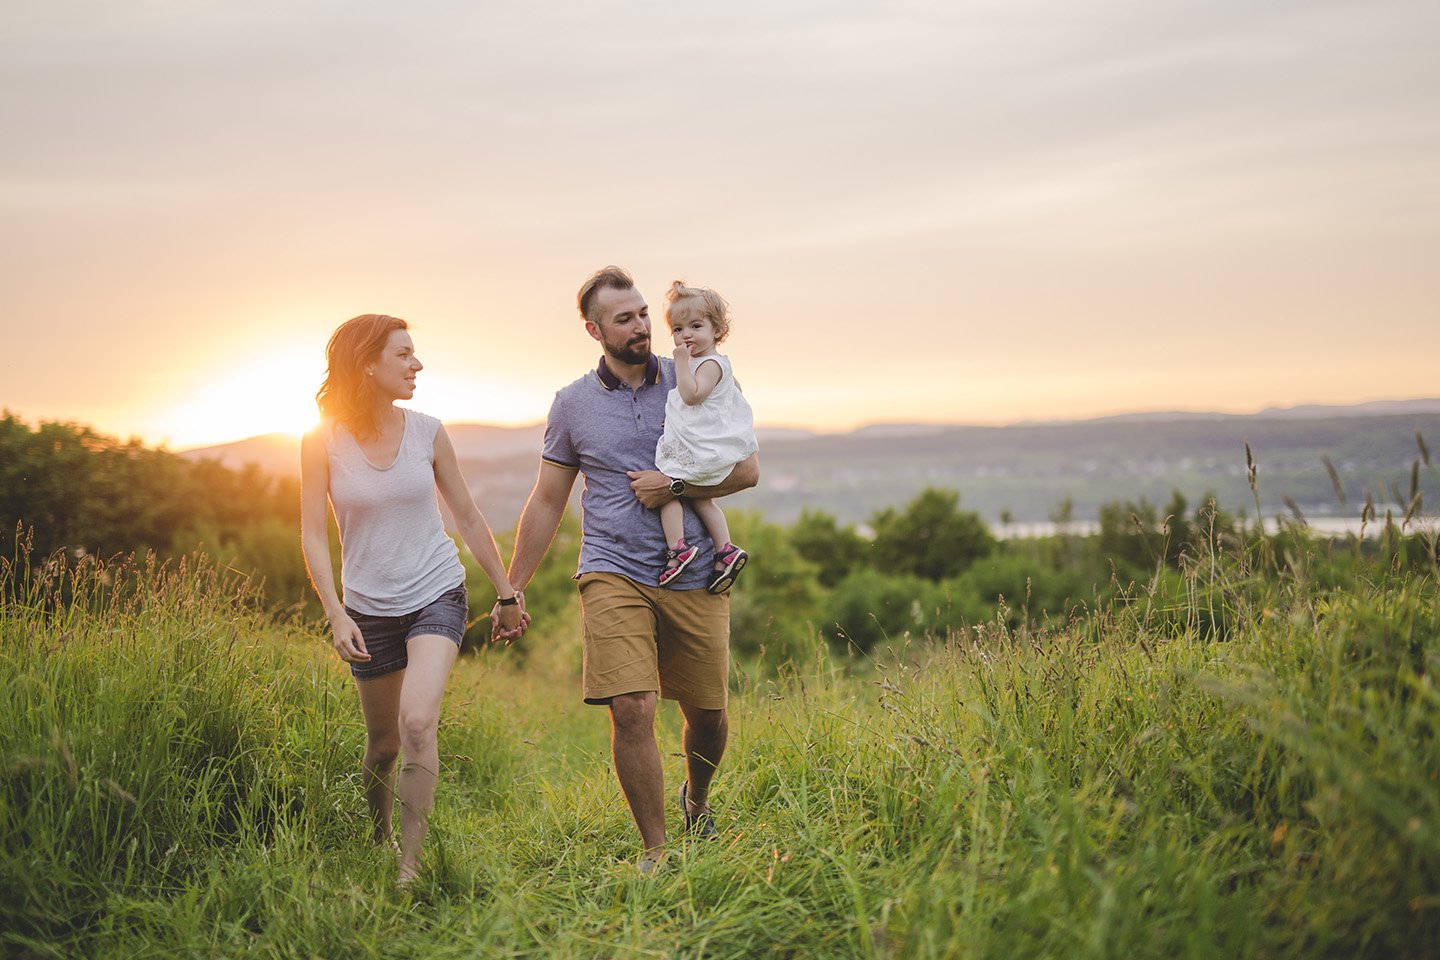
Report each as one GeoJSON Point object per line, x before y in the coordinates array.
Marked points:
{"type": "Point", "coordinates": [702, 443]}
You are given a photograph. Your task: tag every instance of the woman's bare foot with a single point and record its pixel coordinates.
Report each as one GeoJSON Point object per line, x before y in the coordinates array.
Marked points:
{"type": "Point", "coordinates": [407, 874]}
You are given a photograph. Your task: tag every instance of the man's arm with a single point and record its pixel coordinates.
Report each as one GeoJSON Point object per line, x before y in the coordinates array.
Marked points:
{"type": "Point", "coordinates": [652, 488]}
{"type": "Point", "coordinates": [539, 520]}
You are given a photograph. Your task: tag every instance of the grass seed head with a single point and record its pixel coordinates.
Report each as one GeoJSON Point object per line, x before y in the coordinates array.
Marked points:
{"type": "Point", "coordinates": [1335, 483]}
{"type": "Point", "coordinates": [1294, 508]}
{"type": "Point", "coordinates": [1415, 503]}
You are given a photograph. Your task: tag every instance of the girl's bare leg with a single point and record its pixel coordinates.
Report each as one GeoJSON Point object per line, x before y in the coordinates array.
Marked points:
{"type": "Point", "coordinates": [431, 657]}
{"type": "Point", "coordinates": [672, 522]}
{"type": "Point", "coordinates": [713, 517]}
{"type": "Point", "coordinates": [380, 704]}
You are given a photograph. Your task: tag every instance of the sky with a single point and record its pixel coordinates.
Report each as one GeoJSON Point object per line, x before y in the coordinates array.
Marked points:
{"type": "Point", "coordinates": [962, 211]}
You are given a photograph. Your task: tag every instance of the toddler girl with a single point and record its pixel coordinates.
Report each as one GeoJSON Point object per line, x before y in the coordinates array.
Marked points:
{"type": "Point", "coordinates": [709, 428]}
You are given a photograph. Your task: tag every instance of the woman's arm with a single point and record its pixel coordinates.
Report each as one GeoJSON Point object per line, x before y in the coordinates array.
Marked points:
{"type": "Point", "coordinates": [315, 544]}
{"type": "Point", "coordinates": [475, 531]}
{"type": "Point", "coordinates": [695, 385]}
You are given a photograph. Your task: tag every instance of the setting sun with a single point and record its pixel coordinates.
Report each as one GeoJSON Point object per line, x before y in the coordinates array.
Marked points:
{"type": "Point", "coordinates": [260, 394]}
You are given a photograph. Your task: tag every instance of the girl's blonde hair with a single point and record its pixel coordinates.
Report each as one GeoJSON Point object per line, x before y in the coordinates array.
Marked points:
{"type": "Point", "coordinates": [347, 395]}
{"type": "Point", "coordinates": [683, 301]}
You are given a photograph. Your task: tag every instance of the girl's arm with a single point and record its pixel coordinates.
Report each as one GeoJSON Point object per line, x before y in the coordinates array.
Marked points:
{"type": "Point", "coordinates": [695, 385]}
{"type": "Point", "coordinates": [315, 544]}
{"type": "Point", "coordinates": [475, 531]}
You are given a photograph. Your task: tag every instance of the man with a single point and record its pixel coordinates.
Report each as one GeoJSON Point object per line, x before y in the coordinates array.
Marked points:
{"type": "Point", "coordinates": [640, 640]}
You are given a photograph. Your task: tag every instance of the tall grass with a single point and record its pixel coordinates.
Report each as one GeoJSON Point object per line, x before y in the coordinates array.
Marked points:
{"type": "Point", "coordinates": [178, 776]}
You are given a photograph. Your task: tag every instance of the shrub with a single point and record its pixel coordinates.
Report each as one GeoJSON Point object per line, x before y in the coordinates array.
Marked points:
{"type": "Point", "coordinates": [869, 607]}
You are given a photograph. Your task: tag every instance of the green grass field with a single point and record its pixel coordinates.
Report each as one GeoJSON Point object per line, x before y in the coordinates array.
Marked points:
{"type": "Point", "coordinates": [179, 777]}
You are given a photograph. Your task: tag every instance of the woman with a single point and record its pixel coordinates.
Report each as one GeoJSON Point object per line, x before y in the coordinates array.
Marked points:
{"type": "Point", "coordinates": [403, 615]}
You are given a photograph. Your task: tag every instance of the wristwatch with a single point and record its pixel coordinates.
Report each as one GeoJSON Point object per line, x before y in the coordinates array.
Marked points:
{"type": "Point", "coordinates": [509, 601]}
{"type": "Point", "coordinates": [677, 487]}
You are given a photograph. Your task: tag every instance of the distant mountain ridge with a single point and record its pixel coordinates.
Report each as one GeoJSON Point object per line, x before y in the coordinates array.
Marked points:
{"type": "Point", "coordinates": [1309, 411]}
{"type": "Point", "coordinates": [278, 453]}
{"type": "Point", "coordinates": [1023, 471]}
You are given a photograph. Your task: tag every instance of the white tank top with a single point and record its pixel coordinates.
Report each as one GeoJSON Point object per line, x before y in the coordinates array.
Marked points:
{"type": "Point", "coordinates": [395, 557]}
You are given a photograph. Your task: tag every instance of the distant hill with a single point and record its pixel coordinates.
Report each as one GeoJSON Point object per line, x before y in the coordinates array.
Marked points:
{"type": "Point", "coordinates": [1025, 470]}
{"type": "Point", "coordinates": [277, 454]}
{"type": "Point", "coordinates": [1313, 411]}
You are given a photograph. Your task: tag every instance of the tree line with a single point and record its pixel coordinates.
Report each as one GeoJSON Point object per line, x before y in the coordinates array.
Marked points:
{"type": "Point", "coordinates": [66, 488]}
{"type": "Point", "coordinates": [925, 569]}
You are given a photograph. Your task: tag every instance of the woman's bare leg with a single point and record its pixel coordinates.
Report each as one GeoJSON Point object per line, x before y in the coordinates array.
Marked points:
{"type": "Point", "coordinates": [431, 657]}
{"type": "Point", "coordinates": [380, 704]}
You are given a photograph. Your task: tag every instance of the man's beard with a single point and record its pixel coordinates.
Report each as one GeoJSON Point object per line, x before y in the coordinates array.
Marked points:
{"type": "Point", "coordinates": [636, 351]}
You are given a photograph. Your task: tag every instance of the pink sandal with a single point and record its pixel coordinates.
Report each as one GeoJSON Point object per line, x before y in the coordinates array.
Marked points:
{"type": "Point", "coordinates": [677, 560]}
{"type": "Point", "coordinates": [728, 564]}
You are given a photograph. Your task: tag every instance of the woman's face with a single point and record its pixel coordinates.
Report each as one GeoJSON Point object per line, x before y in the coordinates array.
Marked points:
{"type": "Point", "coordinates": [393, 372]}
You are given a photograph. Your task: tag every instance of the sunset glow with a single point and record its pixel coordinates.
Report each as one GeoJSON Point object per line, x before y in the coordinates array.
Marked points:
{"type": "Point", "coordinates": [946, 213]}
{"type": "Point", "coordinates": [255, 395]}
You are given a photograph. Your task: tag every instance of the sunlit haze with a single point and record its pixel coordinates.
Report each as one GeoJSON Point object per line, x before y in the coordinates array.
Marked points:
{"type": "Point", "coordinates": [966, 212]}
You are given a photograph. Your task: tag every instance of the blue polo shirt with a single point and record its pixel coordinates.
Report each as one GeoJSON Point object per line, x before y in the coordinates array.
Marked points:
{"type": "Point", "coordinates": [602, 428]}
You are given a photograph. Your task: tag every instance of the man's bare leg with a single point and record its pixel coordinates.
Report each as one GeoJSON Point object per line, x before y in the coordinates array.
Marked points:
{"type": "Point", "coordinates": [637, 766]}
{"type": "Point", "coordinates": [705, 736]}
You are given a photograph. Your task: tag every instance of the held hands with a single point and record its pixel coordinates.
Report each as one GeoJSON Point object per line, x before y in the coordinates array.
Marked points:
{"type": "Point", "coordinates": [508, 622]}
{"type": "Point", "coordinates": [349, 644]}
{"type": "Point", "coordinates": [652, 488]}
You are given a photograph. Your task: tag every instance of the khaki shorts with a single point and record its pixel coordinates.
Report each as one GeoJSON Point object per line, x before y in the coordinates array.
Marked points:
{"type": "Point", "coordinates": [640, 638]}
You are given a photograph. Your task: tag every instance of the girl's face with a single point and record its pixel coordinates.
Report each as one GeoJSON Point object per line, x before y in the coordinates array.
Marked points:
{"type": "Point", "coordinates": [393, 372]}
{"type": "Point", "coordinates": [695, 333]}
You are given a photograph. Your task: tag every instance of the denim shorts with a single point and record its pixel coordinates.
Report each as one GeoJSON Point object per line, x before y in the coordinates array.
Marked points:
{"type": "Point", "coordinates": [386, 637]}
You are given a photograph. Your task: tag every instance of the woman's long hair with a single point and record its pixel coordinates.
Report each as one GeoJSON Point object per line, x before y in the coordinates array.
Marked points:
{"type": "Point", "coordinates": [347, 396]}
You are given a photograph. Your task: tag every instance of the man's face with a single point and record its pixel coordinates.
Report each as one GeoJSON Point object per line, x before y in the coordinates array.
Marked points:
{"type": "Point", "coordinates": [623, 327]}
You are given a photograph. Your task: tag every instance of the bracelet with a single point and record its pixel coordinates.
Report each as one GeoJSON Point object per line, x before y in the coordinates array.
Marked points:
{"type": "Point", "coordinates": [509, 601]}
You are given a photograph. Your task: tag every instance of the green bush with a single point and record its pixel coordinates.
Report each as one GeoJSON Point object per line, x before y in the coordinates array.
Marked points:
{"type": "Point", "coordinates": [774, 603]}
{"type": "Point", "coordinates": [869, 607]}
{"type": "Point", "coordinates": [835, 551]}
{"type": "Point", "coordinates": [1029, 591]}
{"type": "Point", "coordinates": [931, 537]}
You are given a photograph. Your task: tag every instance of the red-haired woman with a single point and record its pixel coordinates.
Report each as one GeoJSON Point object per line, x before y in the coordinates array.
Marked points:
{"type": "Point", "coordinates": [403, 615]}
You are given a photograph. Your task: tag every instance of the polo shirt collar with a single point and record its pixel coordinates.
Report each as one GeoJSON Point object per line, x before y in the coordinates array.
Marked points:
{"type": "Point", "coordinates": [611, 382]}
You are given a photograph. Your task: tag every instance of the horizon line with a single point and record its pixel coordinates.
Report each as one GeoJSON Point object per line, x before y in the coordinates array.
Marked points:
{"type": "Point", "coordinates": [929, 424]}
